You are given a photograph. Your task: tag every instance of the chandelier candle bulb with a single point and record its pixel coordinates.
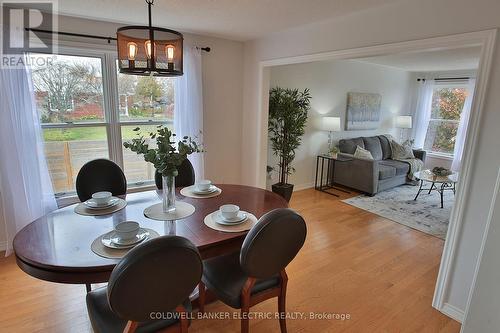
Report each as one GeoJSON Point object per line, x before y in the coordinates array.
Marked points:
{"type": "Point", "coordinates": [132, 53]}
{"type": "Point", "coordinates": [169, 51]}
{"type": "Point", "coordinates": [147, 46]}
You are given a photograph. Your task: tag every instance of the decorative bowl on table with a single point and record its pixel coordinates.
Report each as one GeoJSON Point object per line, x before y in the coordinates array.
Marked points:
{"type": "Point", "coordinates": [442, 172]}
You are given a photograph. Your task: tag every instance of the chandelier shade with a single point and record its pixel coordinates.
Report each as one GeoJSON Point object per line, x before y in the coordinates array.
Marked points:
{"type": "Point", "coordinates": [148, 50]}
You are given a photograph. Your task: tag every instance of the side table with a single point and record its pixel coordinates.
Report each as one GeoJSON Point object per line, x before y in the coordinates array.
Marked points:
{"type": "Point", "coordinates": [325, 182]}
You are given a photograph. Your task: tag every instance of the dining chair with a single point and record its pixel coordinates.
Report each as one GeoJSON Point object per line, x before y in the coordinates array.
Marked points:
{"type": "Point", "coordinates": [100, 175]}
{"type": "Point", "coordinates": [148, 290]}
{"type": "Point", "coordinates": [184, 178]}
{"type": "Point", "coordinates": [256, 273]}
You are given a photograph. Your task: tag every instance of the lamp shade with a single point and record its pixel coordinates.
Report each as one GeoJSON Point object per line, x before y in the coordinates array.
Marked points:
{"type": "Point", "coordinates": [403, 122]}
{"type": "Point", "coordinates": [331, 124]}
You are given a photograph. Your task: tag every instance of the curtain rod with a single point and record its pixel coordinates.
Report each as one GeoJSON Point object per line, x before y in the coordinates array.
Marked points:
{"type": "Point", "coordinates": [447, 78]}
{"type": "Point", "coordinates": [73, 34]}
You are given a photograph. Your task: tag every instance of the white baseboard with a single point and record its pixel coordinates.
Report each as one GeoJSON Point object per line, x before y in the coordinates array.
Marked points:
{"type": "Point", "coordinates": [3, 245]}
{"type": "Point", "coordinates": [453, 312]}
{"type": "Point", "coordinates": [303, 186]}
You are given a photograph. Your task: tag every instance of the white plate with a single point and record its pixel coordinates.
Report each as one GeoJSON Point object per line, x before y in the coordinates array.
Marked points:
{"type": "Point", "coordinates": [93, 205]}
{"type": "Point", "coordinates": [212, 189]}
{"type": "Point", "coordinates": [111, 240]}
{"type": "Point", "coordinates": [218, 218]}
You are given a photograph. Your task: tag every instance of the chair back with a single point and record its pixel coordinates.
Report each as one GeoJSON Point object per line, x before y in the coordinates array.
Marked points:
{"type": "Point", "coordinates": [156, 276]}
{"type": "Point", "coordinates": [272, 243]}
{"type": "Point", "coordinates": [100, 175]}
{"type": "Point", "coordinates": [184, 178]}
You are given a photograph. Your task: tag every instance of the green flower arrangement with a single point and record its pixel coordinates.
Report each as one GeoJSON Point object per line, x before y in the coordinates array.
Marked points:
{"type": "Point", "coordinates": [334, 150]}
{"type": "Point", "coordinates": [166, 157]}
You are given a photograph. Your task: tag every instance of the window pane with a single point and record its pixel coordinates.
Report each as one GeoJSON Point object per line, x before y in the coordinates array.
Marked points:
{"type": "Point", "coordinates": [68, 149]}
{"type": "Point", "coordinates": [447, 103]}
{"type": "Point", "coordinates": [441, 136]}
{"type": "Point", "coordinates": [136, 169]}
{"type": "Point", "coordinates": [69, 89]}
{"type": "Point", "coordinates": [145, 97]}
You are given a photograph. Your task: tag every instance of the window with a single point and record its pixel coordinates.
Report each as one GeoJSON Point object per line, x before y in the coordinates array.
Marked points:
{"type": "Point", "coordinates": [86, 115]}
{"type": "Point", "coordinates": [447, 104]}
{"type": "Point", "coordinates": [145, 102]}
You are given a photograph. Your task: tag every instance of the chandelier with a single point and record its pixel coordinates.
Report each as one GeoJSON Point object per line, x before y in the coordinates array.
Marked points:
{"type": "Point", "coordinates": [148, 50]}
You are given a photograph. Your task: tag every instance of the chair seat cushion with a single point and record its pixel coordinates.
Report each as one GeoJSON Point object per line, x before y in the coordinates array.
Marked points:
{"type": "Point", "coordinates": [402, 168]}
{"type": "Point", "coordinates": [104, 320]}
{"type": "Point", "coordinates": [386, 171]}
{"type": "Point", "coordinates": [224, 277]}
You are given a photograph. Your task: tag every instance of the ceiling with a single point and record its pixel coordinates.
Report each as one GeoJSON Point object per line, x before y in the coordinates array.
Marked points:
{"type": "Point", "coordinates": [465, 58]}
{"type": "Point", "coordinates": [232, 19]}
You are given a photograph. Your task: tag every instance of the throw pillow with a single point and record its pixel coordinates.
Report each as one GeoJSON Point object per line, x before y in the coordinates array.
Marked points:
{"type": "Point", "coordinates": [363, 153]}
{"type": "Point", "coordinates": [401, 151]}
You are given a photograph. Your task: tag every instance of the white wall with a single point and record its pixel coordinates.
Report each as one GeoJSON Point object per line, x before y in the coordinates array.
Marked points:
{"type": "Point", "coordinates": [3, 230]}
{"type": "Point", "coordinates": [485, 301]}
{"type": "Point", "coordinates": [329, 83]}
{"type": "Point", "coordinates": [396, 22]}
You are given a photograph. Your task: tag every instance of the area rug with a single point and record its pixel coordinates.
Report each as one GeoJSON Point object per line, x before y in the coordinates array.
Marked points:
{"type": "Point", "coordinates": [397, 204]}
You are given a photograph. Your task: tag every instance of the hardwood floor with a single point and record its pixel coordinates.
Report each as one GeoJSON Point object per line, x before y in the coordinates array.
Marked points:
{"type": "Point", "coordinates": [378, 272]}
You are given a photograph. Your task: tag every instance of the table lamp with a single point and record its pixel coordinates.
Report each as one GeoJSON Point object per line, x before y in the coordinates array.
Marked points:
{"type": "Point", "coordinates": [331, 124]}
{"type": "Point", "coordinates": [404, 123]}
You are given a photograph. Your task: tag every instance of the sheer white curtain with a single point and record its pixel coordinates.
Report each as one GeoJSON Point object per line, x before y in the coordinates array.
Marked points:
{"type": "Point", "coordinates": [462, 127]}
{"type": "Point", "coordinates": [25, 186]}
{"type": "Point", "coordinates": [423, 111]}
{"type": "Point", "coordinates": [188, 112]}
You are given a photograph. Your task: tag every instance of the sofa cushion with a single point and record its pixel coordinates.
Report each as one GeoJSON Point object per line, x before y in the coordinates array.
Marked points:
{"type": "Point", "coordinates": [372, 144]}
{"type": "Point", "coordinates": [363, 153]}
{"type": "Point", "coordinates": [402, 168]}
{"type": "Point", "coordinates": [348, 146]}
{"type": "Point", "coordinates": [401, 151]}
{"type": "Point", "coordinates": [386, 147]}
{"type": "Point", "coordinates": [386, 171]}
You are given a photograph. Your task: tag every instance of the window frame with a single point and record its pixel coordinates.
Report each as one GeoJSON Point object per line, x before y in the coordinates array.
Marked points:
{"type": "Point", "coordinates": [111, 122]}
{"type": "Point", "coordinates": [441, 85]}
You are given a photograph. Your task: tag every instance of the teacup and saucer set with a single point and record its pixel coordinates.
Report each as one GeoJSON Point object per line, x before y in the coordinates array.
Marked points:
{"type": "Point", "coordinates": [229, 218]}
{"type": "Point", "coordinates": [101, 200]}
{"type": "Point", "coordinates": [202, 189]}
{"type": "Point", "coordinates": [229, 215]}
{"type": "Point", "coordinates": [125, 235]}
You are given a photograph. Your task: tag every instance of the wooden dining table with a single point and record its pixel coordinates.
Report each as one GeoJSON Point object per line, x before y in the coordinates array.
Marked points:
{"type": "Point", "coordinates": [57, 247]}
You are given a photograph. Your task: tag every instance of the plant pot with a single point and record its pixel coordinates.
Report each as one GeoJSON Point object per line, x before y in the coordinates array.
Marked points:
{"type": "Point", "coordinates": [284, 190]}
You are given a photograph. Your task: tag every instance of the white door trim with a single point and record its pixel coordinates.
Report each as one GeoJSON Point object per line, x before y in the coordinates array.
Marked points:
{"type": "Point", "coordinates": [483, 243]}
{"type": "Point", "coordinates": [486, 40]}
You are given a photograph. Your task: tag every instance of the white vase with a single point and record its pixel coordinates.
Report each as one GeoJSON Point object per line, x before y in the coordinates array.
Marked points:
{"type": "Point", "coordinates": [168, 183]}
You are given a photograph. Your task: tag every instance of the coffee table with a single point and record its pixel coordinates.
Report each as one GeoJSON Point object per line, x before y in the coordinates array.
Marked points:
{"type": "Point", "coordinates": [444, 183]}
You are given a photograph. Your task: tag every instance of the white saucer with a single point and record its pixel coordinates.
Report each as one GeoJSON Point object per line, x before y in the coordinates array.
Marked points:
{"type": "Point", "coordinates": [94, 205]}
{"type": "Point", "coordinates": [112, 241]}
{"type": "Point", "coordinates": [218, 218]}
{"type": "Point", "coordinates": [211, 190]}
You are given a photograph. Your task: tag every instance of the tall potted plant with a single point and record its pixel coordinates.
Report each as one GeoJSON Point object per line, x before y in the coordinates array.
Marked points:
{"type": "Point", "coordinates": [288, 110]}
{"type": "Point", "coordinates": [166, 157]}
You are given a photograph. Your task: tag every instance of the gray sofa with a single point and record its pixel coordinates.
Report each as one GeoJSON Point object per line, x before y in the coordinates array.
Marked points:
{"type": "Point", "coordinates": [371, 176]}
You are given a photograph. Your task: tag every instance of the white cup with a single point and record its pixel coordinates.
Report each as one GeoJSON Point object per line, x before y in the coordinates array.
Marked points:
{"type": "Point", "coordinates": [127, 230]}
{"type": "Point", "coordinates": [102, 198]}
{"type": "Point", "coordinates": [229, 211]}
{"type": "Point", "coordinates": [203, 185]}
